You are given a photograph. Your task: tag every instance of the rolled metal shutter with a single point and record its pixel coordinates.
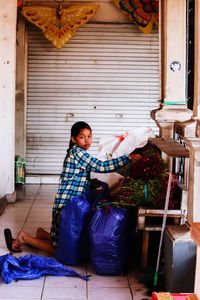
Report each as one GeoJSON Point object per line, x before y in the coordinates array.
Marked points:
{"type": "Point", "coordinates": [107, 75]}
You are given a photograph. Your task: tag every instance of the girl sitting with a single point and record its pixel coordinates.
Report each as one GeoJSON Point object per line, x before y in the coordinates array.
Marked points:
{"type": "Point", "coordinates": [75, 181]}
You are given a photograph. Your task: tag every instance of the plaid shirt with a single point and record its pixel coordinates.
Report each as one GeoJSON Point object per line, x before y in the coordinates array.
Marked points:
{"type": "Point", "coordinates": [76, 173]}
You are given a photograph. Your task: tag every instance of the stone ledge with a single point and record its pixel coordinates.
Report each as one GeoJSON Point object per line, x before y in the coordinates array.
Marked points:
{"type": "Point", "coordinates": [195, 232]}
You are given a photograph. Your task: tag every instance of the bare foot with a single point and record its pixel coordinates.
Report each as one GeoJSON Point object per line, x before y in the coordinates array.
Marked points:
{"type": "Point", "coordinates": [20, 239]}
{"type": "Point", "coordinates": [25, 238]}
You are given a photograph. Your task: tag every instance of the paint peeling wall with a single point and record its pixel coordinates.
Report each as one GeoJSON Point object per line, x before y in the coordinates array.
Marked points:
{"type": "Point", "coordinates": [7, 95]}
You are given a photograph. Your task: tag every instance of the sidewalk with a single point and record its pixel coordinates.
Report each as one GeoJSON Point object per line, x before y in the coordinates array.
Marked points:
{"type": "Point", "coordinates": [33, 209]}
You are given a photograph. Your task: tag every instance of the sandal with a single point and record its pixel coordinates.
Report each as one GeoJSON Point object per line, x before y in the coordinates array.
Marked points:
{"type": "Point", "coordinates": [9, 241]}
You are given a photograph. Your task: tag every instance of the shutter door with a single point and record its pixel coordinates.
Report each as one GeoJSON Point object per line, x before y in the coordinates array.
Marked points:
{"type": "Point", "coordinates": [107, 76]}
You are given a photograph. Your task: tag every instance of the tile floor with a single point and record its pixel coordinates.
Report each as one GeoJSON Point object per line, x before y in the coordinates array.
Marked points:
{"type": "Point", "coordinates": [33, 209]}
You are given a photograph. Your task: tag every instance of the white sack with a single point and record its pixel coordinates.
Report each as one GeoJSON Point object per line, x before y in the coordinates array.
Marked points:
{"type": "Point", "coordinates": [119, 145]}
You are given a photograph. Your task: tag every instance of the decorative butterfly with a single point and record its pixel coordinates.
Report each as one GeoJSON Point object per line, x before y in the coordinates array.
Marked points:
{"type": "Point", "coordinates": [144, 13]}
{"type": "Point", "coordinates": [58, 24]}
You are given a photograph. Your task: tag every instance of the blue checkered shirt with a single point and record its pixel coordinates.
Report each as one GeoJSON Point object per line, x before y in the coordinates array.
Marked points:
{"type": "Point", "coordinates": [75, 178]}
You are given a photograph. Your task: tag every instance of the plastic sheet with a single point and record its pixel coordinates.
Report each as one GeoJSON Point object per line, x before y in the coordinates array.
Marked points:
{"type": "Point", "coordinates": [109, 238]}
{"type": "Point", "coordinates": [33, 266]}
{"type": "Point", "coordinates": [73, 241]}
{"type": "Point", "coordinates": [118, 145]}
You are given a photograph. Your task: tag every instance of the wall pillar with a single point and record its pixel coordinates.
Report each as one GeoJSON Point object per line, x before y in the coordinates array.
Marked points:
{"type": "Point", "coordinates": [21, 88]}
{"type": "Point", "coordinates": [8, 16]}
{"type": "Point", "coordinates": [195, 234]}
{"type": "Point", "coordinates": [189, 130]}
{"type": "Point", "coordinates": [173, 67]}
{"type": "Point", "coordinates": [193, 144]}
{"type": "Point", "coordinates": [196, 107]}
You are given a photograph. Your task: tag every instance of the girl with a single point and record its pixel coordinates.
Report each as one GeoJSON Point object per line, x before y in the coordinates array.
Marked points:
{"type": "Point", "coordinates": [75, 181]}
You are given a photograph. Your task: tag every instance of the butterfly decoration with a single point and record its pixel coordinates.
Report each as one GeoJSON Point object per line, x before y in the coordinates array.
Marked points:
{"type": "Point", "coordinates": [143, 13]}
{"type": "Point", "coordinates": [59, 24]}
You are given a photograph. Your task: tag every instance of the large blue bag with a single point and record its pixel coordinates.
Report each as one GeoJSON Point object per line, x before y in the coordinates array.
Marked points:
{"type": "Point", "coordinates": [73, 240]}
{"type": "Point", "coordinates": [109, 240]}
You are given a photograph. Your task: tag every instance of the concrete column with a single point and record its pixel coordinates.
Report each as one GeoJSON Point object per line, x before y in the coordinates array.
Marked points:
{"type": "Point", "coordinates": [8, 16]}
{"type": "Point", "coordinates": [196, 107]}
{"type": "Point", "coordinates": [193, 144]}
{"type": "Point", "coordinates": [173, 67]}
{"type": "Point", "coordinates": [197, 275]}
{"type": "Point", "coordinates": [174, 52]}
{"type": "Point", "coordinates": [21, 88]}
{"type": "Point", "coordinates": [195, 234]}
{"type": "Point", "coordinates": [190, 130]}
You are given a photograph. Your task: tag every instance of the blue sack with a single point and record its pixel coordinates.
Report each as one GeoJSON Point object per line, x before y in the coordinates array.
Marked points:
{"type": "Point", "coordinates": [99, 192]}
{"type": "Point", "coordinates": [73, 240]}
{"type": "Point", "coordinates": [109, 240]}
{"type": "Point", "coordinates": [31, 267]}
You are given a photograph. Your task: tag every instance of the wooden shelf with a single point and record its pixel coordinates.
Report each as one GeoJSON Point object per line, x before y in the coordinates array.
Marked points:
{"type": "Point", "coordinates": [146, 215]}
{"type": "Point", "coordinates": [170, 147]}
{"type": "Point", "coordinates": [145, 218]}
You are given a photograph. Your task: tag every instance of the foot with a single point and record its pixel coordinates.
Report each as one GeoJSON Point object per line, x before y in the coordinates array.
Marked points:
{"type": "Point", "coordinates": [10, 240]}
{"type": "Point", "coordinates": [20, 240]}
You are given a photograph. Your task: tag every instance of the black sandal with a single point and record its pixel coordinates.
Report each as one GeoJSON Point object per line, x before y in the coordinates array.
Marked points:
{"type": "Point", "coordinates": [9, 241]}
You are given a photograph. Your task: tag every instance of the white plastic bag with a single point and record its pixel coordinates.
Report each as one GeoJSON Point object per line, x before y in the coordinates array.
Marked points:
{"type": "Point", "coordinates": [119, 145]}
{"type": "Point", "coordinates": [124, 144]}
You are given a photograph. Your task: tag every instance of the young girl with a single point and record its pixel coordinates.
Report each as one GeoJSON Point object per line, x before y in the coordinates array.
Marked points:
{"type": "Point", "coordinates": [75, 181]}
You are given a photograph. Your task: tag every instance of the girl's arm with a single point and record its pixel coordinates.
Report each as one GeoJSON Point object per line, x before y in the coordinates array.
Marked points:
{"type": "Point", "coordinates": [86, 161]}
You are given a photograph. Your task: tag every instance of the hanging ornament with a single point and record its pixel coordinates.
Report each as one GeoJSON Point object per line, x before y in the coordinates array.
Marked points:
{"type": "Point", "coordinates": [19, 3]}
{"type": "Point", "coordinates": [59, 24]}
{"type": "Point", "coordinates": [143, 13]}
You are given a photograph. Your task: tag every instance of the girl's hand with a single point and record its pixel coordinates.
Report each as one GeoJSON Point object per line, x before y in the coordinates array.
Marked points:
{"type": "Point", "coordinates": [134, 156]}
{"type": "Point", "coordinates": [121, 181]}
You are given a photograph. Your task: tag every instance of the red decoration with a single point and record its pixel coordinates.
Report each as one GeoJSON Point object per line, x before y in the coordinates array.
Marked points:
{"type": "Point", "coordinates": [19, 3]}
{"type": "Point", "coordinates": [144, 13]}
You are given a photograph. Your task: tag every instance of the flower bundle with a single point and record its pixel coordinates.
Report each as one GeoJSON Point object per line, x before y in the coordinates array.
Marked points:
{"type": "Point", "coordinates": [147, 168]}
{"type": "Point", "coordinates": [146, 183]}
{"type": "Point", "coordinates": [150, 166]}
{"type": "Point", "coordinates": [150, 193]}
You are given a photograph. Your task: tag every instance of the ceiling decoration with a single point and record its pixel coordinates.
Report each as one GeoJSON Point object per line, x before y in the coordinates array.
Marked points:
{"type": "Point", "coordinates": [59, 24]}
{"type": "Point", "coordinates": [143, 13]}
{"type": "Point", "coordinates": [19, 3]}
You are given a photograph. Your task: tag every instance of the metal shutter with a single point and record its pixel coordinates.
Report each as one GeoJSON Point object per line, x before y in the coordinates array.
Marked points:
{"type": "Point", "coordinates": [107, 75]}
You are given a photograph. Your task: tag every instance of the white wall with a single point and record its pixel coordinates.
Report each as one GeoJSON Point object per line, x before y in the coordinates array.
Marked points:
{"type": "Point", "coordinates": [8, 10]}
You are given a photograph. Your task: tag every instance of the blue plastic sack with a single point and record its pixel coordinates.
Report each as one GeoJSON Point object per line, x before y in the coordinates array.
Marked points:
{"type": "Point", "coordinates": [109, 240]}
{"type": "Point", "coordinates": [33, 266]}
{"type": "Point", "coordinates": [99, 192]}
{"type": "Point", "coordinates": [73, 240]}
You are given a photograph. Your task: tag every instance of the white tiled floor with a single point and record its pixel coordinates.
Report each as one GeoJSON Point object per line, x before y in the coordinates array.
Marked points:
{"type": "Point", "coordinates": [33, 209]}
